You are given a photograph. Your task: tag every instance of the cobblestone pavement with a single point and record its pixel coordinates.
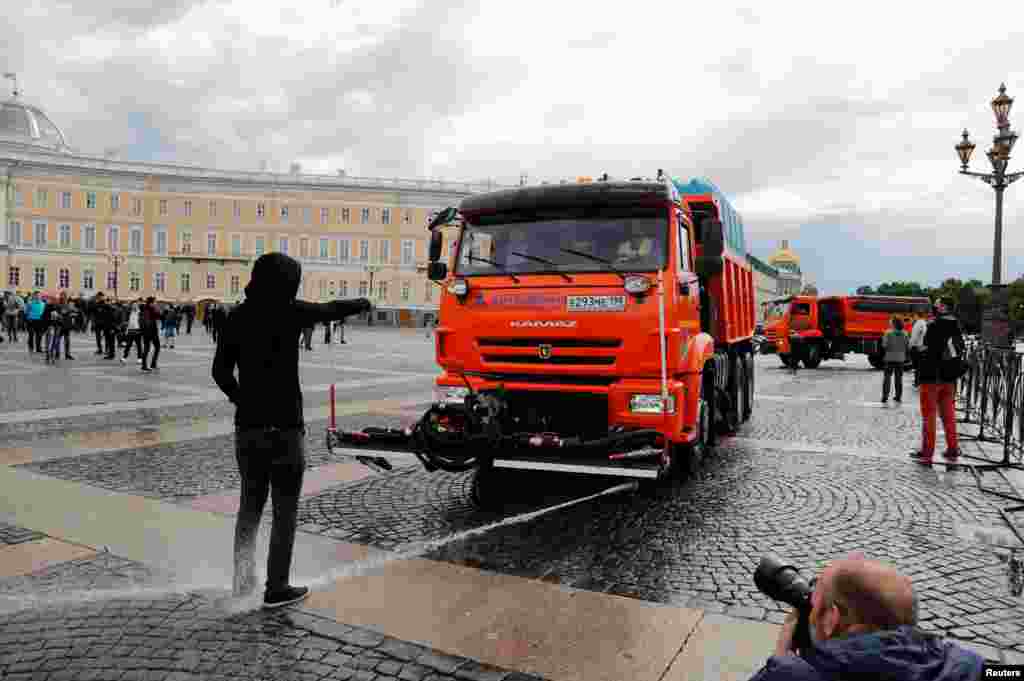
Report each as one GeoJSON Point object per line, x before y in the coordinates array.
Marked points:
{"type": "Point", "coordinates": [9, 535]}
{"type": "Point", "coordinates": [117, 634]}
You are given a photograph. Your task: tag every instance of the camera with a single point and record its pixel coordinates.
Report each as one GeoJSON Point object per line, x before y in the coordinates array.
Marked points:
{"type": "Point", "coordinates": [780, 581]}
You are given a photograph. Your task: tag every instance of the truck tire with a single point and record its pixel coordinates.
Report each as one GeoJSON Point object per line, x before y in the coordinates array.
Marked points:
{"type": "Point", "coordinates": [876, 361]}
{"type": "Point", "coordinates": [688, 458]}
{"type": "Point", "coordinates": [743, 380]}
{"type": "Point", "coordinates": [750, 387]}
{"type": "Point", "coordinates": [487, 491]}
{"type": "Point", "coordinates": [710, 396]}
{"type": "Point", "coordinates": [733, 410]}
{"type": "Point", "coordinates": [812, 357]}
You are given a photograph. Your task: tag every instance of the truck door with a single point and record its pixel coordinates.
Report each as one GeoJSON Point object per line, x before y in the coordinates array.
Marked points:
{"type": "Point", "coordinates": [686, 295]}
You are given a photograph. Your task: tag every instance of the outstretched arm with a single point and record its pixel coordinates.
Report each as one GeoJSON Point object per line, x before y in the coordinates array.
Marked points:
{"type": "Point", "coordinates": [317, 313]}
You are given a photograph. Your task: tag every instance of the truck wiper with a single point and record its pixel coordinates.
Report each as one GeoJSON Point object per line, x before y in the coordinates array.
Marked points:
{"type": "Point", "coordinates": [563, 275]}
{"type": "Point", "coordinates": [611, 267]}
{"type": "Point", "coordinates": [501, 267]}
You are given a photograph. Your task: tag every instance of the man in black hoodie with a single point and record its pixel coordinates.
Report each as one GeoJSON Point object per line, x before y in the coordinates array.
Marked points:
{"type": "Point", "coordinates": [269, 425]}
{"type": "Point", "coordinates": [940, 359]}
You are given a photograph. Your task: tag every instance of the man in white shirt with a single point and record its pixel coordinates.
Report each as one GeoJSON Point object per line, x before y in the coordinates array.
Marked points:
{"type": "Point", "coordinates": [916, 345]}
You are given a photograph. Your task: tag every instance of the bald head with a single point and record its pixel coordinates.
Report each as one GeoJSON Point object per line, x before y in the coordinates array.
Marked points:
{"type": "Point", "coordinates": [872, 595]}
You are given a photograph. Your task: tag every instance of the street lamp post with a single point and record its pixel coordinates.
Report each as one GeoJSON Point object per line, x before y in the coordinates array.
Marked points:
{"type": "Point", "coordinates": [116, 260]}
{"type": "Point", "coordinates": [998, 179]}
{"type": "Point", "coordinates": [372, 270]}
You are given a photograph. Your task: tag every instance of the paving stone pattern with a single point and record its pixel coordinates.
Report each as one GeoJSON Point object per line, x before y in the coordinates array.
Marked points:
{"type": "Point", "coordinates": [696, 542]}
{"type": "Point", "coordinates": [180, 637]}
{"type": "Point", "coordinates": [10, 535]}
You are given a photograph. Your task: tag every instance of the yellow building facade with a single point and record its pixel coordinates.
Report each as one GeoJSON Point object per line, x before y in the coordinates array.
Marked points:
{"type": "Point", "coordinates": [83, 224]}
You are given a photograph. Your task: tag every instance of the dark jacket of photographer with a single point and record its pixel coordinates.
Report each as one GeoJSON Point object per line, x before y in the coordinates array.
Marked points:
{"type": "Point", "coordinates": [259, 338]}
{"type": "Point", "coordinates": [904, 653]}
{"type": "Point", "coordinates": [936, 366]}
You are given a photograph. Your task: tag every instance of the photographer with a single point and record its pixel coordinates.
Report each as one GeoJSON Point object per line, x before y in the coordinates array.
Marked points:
{"type": "Point", "coordinates": [862, 626]}
{"type": "Point", "coordinates": [269, 427]}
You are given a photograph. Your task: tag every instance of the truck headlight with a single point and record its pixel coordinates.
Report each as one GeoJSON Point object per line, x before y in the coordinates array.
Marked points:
{"type": "Point", "coordinates": [637, 285]}
{"type": "Point", "coordinates": [459, 287]}
{"type": "Point", "coordinates": [450, 394]}
{"type": "Point", "coordinates": [650, 404]}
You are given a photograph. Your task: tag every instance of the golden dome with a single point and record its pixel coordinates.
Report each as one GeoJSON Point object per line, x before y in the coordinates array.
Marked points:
{"type": "Point", "coordinates": [785, 258]}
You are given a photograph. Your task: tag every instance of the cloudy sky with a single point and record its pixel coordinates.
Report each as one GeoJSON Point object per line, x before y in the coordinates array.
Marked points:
{"type": "Point", "coordinates": [830, 124]}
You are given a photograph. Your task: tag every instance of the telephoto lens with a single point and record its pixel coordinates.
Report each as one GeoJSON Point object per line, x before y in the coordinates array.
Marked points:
{"type": "Point", "coordinates": [782, 582]}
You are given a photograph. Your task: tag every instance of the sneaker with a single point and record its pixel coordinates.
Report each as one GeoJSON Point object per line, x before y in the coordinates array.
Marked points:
{"type": "Point", "coordinates": [119, 359]}
{"type": "Point", "coordinates": [921, 458]}
{"type": "Point", "coordinates": [898, 401]}
{"type": "Point", "coordinates": [951, 455]}
{"type": "Point", "coordinates": [68, 357]}
{"type": "Point", "coordinates": [286, 596]}
{"type": "Point", "coordinates": [146, 369]}
{"type": "Point", "coordinates": [154, 368]}
{"type": "Point", "coordinates": [885, 400]}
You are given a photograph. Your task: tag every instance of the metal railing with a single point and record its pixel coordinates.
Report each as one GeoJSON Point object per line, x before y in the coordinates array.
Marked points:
{"type": "Point", "coordinates": [991, 397]}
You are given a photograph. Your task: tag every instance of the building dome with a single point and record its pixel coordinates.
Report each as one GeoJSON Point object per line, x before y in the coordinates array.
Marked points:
{"type": "Point", "coordinates": [24, 124]}
{"type": "Point", "coordinates": [785, 259]}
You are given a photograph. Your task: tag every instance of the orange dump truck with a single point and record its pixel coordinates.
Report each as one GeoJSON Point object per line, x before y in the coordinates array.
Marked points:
{"type": "Point", "coordinates": [809, 329]}
{"type": "Point", "coordinates": [597, 328]}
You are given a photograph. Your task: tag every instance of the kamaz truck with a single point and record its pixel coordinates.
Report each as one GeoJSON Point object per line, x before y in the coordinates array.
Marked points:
{"type": "Point", "coordinates": [597, 328]}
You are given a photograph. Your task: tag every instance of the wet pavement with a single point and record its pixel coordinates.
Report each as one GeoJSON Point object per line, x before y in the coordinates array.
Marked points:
{"type": "Point", "coordinates": [819, 471]}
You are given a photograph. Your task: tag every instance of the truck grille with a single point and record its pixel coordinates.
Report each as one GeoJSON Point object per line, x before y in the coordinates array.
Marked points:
{"type": "Point", "coordinates": [544, 379]}
{"type": "Point", "coordinates": [556, 351]}
{"type": "Point", "coordinates": [581, 360]}
{"type": "Point", "coordinates": [553, 342]}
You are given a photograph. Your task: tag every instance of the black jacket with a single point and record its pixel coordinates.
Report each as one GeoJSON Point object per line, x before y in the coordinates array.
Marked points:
{"type": "Point", "coordinates": [937, 366]}
{"type": "Point", "coordinates": [259, 338]}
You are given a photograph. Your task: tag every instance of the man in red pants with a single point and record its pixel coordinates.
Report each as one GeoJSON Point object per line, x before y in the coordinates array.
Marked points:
{"type": "Point", "coordinates": [940, 360]}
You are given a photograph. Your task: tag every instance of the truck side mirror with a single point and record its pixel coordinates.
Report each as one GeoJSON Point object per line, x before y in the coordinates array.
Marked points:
{"type": "Point", "coordinates": [436, 243]}
{"type": "Point", "coordinates": [443, 217]}
{"type": "Point", "coordinates": [709, 263]}
{"type": "Point", "coordinates": [437, 271]}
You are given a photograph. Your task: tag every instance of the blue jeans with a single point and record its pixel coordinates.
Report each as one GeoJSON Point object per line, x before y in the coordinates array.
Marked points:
{"type": "Point", "coordinates": [270, 461]}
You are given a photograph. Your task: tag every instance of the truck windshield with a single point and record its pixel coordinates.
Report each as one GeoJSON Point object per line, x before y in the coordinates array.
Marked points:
{"type": "Point", "coordinates": [630, 244]}
{"type": "Point", "coordinates": [774, 310]}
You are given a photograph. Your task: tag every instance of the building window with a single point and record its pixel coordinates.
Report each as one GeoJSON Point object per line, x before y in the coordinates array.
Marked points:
{"type": "Point", "coordinates": [134, 281]}
{"type": "Point", "coordinates": [364, 251]}
{"type": "Point", "coordinates": [261, 210]}
{"type": "Point", "coordinates": [324, 216]}
{"type": "Point", "coordinates": [284, 213]}
{"type": "Point", "coordinates": [364, 215]}
{"type": "Point", "coordinates": [407, 216]}
{"type": "Point", "coordinates": [115, 202]}
{"type": "Point", "coordinates": [14, 234]}
{"type": "Point", "coordinates": [346, 216]}
{"type": "Point", "coordinates": [186, 242]}
{"type": "Point", "coordinates": [363, 287]}
{"type": "Point", "coordinates": [90, 200]}
{"type": "Point", "coordinates": [213, 209]}
{"type": "Point", "coordinates": [260, 248]}
{"type": "Point", "coordinates": [323, 289]}
{"type": "Point", "coordinates": [65, 236]}
{"type": "Point", "coordinates": [136, 206]}
{"type": "Point", "coordinates": [236, 246]}
{"type": "Point", "coordinates": [307, 215]}
{"type": "Point", "coordinates": [42, 197]}
{"type": "Point", "coordinates": [211, 244]}
{"type": "Point", "coordinates": [304, 247]}
{"type": "Point", "coordinates": [65, 200]}
{"type": "Point", "coordinates": [163, 206]}
{"type": "Point", "coordinates": [284, 245]}
{"type": "Point", "coordinates": [236, 209]}
{"type": "Point", "coordinates": [19, 200]}
{"type": "Point", "coordinates": [407, 251]}
{"type": "Point", "coordinates": [160, 281]}
{"type": "Point", "coordinates": [382, 290]}
{"type": "Point", "coordinates": [161, 240]}
{"type": "Point", "coordinates": [385, 216]}
{"type": "Point", "coordinates": [135, 241]}
{"type": "Point", "coordinates": [113, 237]}
{"type": "Point", "coordinates": [325, 249]}
{"type": "Point", "coordinates": [406, 289]}
{"type": "Point", "coordinates": [39, 277]}
{"type": "Point", "coordinates": [188, 209]}
{"type": "Point", "coordinates": [343, 292]}
{"type": "Point", "coordinates": [64, 278]}
{"type": "Point", "coordinates": [385, 251]}
{"type": "Point", "coordinates": [111, 280]}
{"type": "Point", "coordinates": [236, 284]}
{"type": "Point", "coordinates": [332, 290]}
{"type": "Point", "coordinates": [89, 237]}
{"type": "Point", "coordinates": [39, 233]}
{"type": "Point", "coordinates": [186, 282]}
{"type": "Point", "coordinates": [342, 250]}
{"type": "Point", "coordinates": [13, 276]}
{"type": "Point", "coordinates": [88, 279]}
{"type": "Point", "coordinates": [211, 280]}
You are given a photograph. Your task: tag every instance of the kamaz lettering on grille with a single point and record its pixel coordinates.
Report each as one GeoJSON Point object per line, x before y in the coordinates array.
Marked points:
{"type": "Point", "coordinates": [549, 324]}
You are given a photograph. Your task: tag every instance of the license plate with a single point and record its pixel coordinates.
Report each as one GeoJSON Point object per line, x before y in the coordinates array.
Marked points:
{"type": "Point", "coordinates": [595, 303]}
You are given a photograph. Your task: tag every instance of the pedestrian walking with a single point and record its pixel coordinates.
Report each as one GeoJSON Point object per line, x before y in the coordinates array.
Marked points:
{"type": "Point", "coordinates": [307, 338]}
{"type": "Point", "coordinates": [327, 333]}
{"type": "Point", "coordinates": [170, 323]}
{"type": "Point", "coordinates": [941, 366]}
{"type": "Point", "coordinates": [916, 344]}
{"type": "Point", "coordinates": [133, 332]}
{"type": "Point", "coordinates": [150, 326]}
{"type": "Point", "coordinates": [894, 343]}
{"type": "Point", "coordinates": [341, 332]}
{"type": "Point", "coordinates": [13, 308]}
{"type": "Point", "coordinates": [269, 426]}
{"type": "Point", "coordinates": [190, 316]}
{"type": "Point", "coordinates": [35, 322]}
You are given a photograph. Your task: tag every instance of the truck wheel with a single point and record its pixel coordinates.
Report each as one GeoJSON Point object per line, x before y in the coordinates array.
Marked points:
{"type": "Point", "coordinates": [876, 361]}
{"type": "Point", "coordinates": [743, 393]}
{"type": "Point", "coordinates": [812, 359]}
{"type": "Point", "coordinates": [487, 492]}
{"type": "Point", "coordinates": [689, 457]}
{"type": "Point", "coordinates": [733, 411]}
{"type": "Point", "coordinates": [749, 365]}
